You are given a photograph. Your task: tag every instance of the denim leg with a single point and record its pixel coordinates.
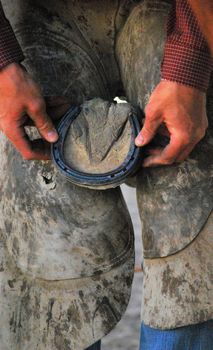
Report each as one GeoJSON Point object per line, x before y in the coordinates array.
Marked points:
{"type": "Point", "coordinates": [194, 337]}
{"type": "Point", "coordinates": [96, 346]}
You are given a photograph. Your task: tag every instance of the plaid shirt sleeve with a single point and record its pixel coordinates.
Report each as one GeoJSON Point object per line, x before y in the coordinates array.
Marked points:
{"type": "Point", "coordinates": [187, 59]}
{"type": "Point", "coordinates": [10, 50]}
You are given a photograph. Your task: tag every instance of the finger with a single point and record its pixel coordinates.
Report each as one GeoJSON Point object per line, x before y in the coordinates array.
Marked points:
{"type": "Point", "coordinates": [30, 150]}
{"type": "Point", "coordinates": [186, 153]}
{"type": "Point", "coordinates": [56, 107]}
{"type": "Point", "coordinates": [37, 113]}
{"type": "Point", "coordinates": [148, 131]}
{"type": "Point", "coordinates": [168, 155]}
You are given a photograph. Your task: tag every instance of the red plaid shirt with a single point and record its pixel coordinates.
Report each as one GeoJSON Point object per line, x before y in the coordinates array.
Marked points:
{"type": "Point", "coordinates": [10, 50]}
{"type": "Point", "coordinates": [186, 57]}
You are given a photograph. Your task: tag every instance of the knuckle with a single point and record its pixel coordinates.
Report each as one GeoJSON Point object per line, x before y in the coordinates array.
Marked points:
{"type": "Point", "coordinates": [206, 124]}
{"type": "Point", "coordinates": [205, 121]}
{"type": "Point", "coordinates": [199, 134]}
{"type": "Point", "coordinates": [37, 106]}
{"type": "Point", "coordinates": [185, 139]}
{"type": "Point", "coordinates": [147, 130]}
{"type": "Point", "coordinates": [150, 112]}
{"type": "Point", "coordinates": [44, 126]}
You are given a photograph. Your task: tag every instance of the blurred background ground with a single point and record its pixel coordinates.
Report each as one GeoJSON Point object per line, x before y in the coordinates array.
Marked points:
{"type": "Point", "coordinates": [125, 335]}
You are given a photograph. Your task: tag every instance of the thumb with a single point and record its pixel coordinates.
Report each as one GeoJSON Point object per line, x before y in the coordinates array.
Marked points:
{"type": "Point", "coordinates": [148, 131]}
{"type": "Point", "coordinates": [37, 113]}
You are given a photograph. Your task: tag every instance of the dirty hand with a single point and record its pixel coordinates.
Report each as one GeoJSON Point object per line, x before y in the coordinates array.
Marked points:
{"type": "Point", "coordinates": [20, 99]}
{"type": "Point", "coordinates": [182, 110]}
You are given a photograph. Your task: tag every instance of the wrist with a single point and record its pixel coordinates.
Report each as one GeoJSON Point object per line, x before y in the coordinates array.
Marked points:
{"type": "Point", "coordinates": [184, 87]}
{"type": "Point", "coordinates": [14, 68]}
{"type": "Point", "coordinates": [12, 75]}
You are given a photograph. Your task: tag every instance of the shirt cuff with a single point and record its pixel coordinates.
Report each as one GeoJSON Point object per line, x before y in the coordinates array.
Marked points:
{"type": "Point", "coordinates": [187, 66]}
{"type": "Point", "coordinates": [10, 50]}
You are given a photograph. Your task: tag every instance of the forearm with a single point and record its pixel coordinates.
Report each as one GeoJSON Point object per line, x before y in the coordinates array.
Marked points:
{"type": "Point", "coordinates": [187, 59]}
{"type": "Point", "coordinates": [10, 50]}
{"type": "Point", "coordinates": [203, 10]}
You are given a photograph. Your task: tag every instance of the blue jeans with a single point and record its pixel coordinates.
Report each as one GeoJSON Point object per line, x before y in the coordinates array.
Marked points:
{"type": "Point", "coordinates": [96, 346]}
{"type": "Point", "coordinates": [194, 337]}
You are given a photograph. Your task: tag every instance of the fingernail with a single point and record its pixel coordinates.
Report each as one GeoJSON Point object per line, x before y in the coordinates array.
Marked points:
{"type": "Point", "coordinates": [139, 140]}
{"type": "Point", "coordinates": [52, 136]}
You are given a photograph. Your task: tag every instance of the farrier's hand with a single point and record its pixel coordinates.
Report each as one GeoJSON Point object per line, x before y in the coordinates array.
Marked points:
{"type": "Point", "coordinates": [20, 99]}
{"type": "Point", "coordinates": [182, 110]}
